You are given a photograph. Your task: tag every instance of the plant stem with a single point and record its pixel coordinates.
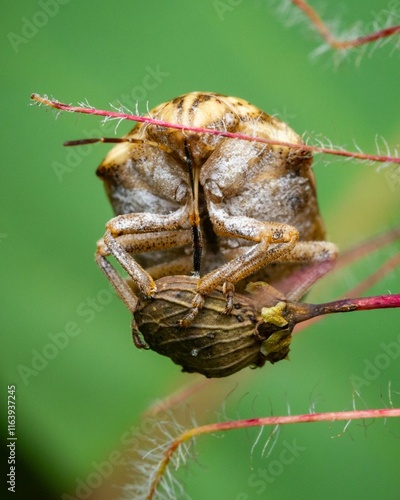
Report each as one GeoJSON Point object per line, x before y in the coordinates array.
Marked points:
{"type": "Point", "coordinates": [263, 421]}
{"type": "Point", "coordinates": [160, 123]}
{"type": "Point", "coordinates": [330, 39]}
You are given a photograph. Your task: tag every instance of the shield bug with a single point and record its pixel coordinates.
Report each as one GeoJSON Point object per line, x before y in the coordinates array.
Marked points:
{"type": "Point", "coordinates": [247, 203]}
{"type": "Point", "coordinates": [228, 210]}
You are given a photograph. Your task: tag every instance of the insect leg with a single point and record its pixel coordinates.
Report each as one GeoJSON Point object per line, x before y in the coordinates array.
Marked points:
{"type": "Point", "coordinates": [143, 226]}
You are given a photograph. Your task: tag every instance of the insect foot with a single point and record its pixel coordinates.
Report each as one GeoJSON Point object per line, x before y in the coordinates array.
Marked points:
{"type": "Point", "coordinates": [229, 292]}
{"type": "Point", "coordinates": [195, 307]}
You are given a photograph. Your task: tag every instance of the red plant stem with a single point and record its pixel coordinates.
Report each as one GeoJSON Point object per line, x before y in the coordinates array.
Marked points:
{"type": "Point", "coordinates": [257, 422]}
{"type": "Point", "coordinates": [331, 416]}
{"type": "Point", "coordinates": [311, 313]}
{"type": "Point", "coordinates": [314, 312]}
{"type": "Point", "coordinates": [360, 304]}
{"type": "Point", "coordinates": [341, 44]}
{"type": "Point", "coordinates": [222, 133]}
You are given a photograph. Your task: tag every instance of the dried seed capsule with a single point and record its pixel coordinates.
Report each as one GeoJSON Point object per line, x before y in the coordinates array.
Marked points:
{"type": "Point", "coordinates": [215, 345]}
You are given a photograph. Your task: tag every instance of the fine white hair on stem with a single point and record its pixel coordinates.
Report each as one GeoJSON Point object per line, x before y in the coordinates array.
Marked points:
{"type": "Point", "coordinates": [148, 110]}
{"type": "Point", "coordinates": [119, 108]}
{"type": "Point", "coordinates": [258, 437]}
{"type": "Point", "coordinates": [362, 38]}
{"type": "Point", "coordinates": [271, 442]}
{"type": "Point", "coordinates": [322, 141]}
{"type": "Point", "coordinates": [344, 430]}
{"type": "Point", "coordinates": [85, 104]}
{"type": "Point", "coordinates": [288, 13]}
{"type": "Point", "coordinates": [382, 147]}
{"type": "Point", "coordinates": [117, 125]}
{"type": "Point", "coordinates": [356, 394]}
{"type": "Point", "coordinates": [390, 394]}
{"type": "Point", "coordinates": [122, 108]}
{"type": "Point", "coordinates": [151, 454]}
{"type": "Point", "coordinates": [289, 410]}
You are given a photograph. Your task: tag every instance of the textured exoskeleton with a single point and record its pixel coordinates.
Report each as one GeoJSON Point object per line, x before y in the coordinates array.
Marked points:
{"type": "Point", "coordinates": [245, 210]}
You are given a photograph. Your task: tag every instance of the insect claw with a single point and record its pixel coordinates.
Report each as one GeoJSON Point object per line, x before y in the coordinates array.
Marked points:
{"type": "Point", "coordinates": [102, 248]}
{"type": "Point", "coordinates": [149, 295]}
{"type": "Point", "coordinates": [148, 289]}
{"type": "Point", "coordinates": [228, 309]}
{"type": "Point", "coordinates": [137, 337]}
{"type": "Point", "coordinates": [152, 291]}
{"type": "Point", "coordinates": [229, 292]}
{"type": "Point", "coordinates": [197, 304]}
{"type": "Point", "coordinates": [188, 318]}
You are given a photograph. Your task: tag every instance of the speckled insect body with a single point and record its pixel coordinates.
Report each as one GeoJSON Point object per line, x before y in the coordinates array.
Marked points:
{"type": "Point", "coordinates": [228, 210]}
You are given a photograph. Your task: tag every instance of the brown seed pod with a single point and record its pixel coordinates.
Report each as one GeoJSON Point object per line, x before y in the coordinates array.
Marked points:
{"type": "Point", "coordinates": [214, 344]}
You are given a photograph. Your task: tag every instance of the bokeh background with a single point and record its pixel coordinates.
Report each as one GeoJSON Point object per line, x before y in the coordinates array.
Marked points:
{"type": "Point", "coordinates": [66, 343]}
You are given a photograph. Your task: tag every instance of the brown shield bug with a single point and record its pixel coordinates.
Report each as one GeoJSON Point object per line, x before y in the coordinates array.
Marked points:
{"type": "Point", "coordinates": [228, 210]}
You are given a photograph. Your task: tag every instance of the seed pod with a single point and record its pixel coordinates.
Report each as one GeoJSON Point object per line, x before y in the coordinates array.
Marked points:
{"type": "Point", "coordinates": [214, 344]}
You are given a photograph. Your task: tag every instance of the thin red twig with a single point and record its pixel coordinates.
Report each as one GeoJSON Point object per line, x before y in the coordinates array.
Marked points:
{"type": "Point", "coordinates": [327, 35]}
{"type": "Point", "coordinates": [160, 123]}
{"type": "Point", "coordinates": [264, 421]}
{"type": "Point", "coordinates": [356, 304]}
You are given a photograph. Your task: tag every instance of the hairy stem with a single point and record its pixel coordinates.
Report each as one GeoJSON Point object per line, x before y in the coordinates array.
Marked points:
{"type": "Point", "coordinates": [330, 39]}
{"type": "Point", "coordinates": [160, 123]}
{"type": "Point", "coordinates": [264, 421]}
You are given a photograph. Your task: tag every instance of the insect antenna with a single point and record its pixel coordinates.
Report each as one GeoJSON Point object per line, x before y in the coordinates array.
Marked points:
{"type": "Point", "coordinates": [116, 140]}
{"type": "Point", "coordinates": [82, 142]}
{"type": "Point", "coordinates": [194, 213]}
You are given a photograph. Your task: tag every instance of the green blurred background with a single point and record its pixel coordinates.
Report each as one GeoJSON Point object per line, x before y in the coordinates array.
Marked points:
{"type": "Point", "coordinates": [77, 406]}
